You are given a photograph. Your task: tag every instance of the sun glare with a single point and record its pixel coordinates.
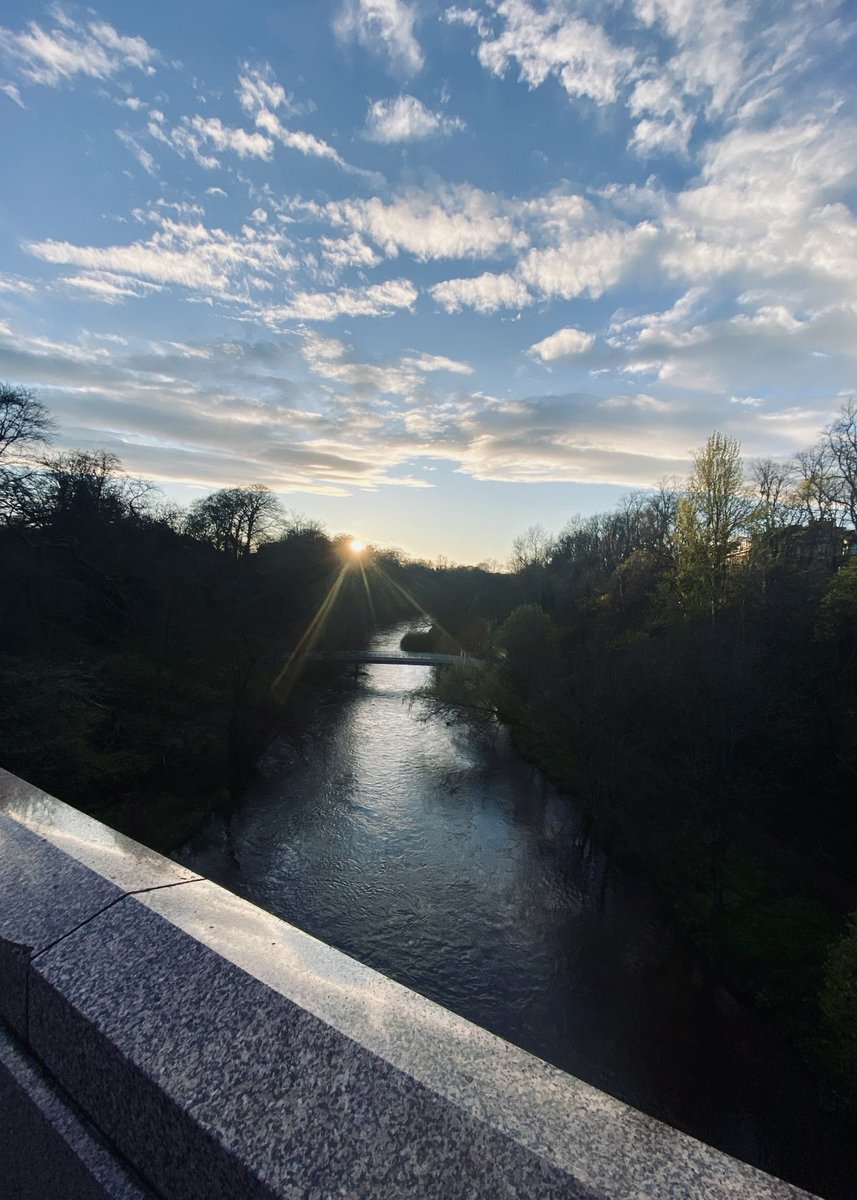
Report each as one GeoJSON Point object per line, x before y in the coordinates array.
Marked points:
{"type": "Point", "coordinates": [357, 546]}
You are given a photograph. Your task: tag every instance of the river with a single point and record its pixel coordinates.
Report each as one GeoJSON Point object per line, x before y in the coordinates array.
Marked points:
{"type": "Point", "coordinates": [446, 862]}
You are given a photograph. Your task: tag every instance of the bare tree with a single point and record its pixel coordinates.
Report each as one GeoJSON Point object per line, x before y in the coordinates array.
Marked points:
{"type": "Point", "coordinates": [840, 442]}
{"type": "Point", "coordinates": [819, 491]}
{"type": "Point", "coordinates": [236, 520]}
{"type": "Point", "coordinates": [531, 549]}
{"type": "Point", "coordinates": [775, 486]}
{"type": "Point", "coordinates": [25, 427]}
{"type": "Point", "coordinates": [25, 423]}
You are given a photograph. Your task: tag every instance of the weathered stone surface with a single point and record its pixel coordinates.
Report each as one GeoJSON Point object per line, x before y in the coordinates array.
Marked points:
{"type": "Point", "coordinates": [594, 1139]}
{"type": "Point", "coordinates": [213, 1084]}
{"type": "Point", "coordinates": [44, 894]}
{"type": "Point", "coordinates": [48, 1151]}
{"type": "Point", "coordinates": [119, 859]}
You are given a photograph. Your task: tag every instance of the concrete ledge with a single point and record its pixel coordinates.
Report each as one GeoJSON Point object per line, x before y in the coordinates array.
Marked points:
{"type": "Point", "coordinates": [224, 1053]}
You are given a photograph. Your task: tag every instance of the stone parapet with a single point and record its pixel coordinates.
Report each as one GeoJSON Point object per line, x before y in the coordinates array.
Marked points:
{"type": "Point", "coordinates": [216, 1051]}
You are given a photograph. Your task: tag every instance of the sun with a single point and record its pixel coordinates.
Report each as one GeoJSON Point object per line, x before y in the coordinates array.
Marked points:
{"type": "Point", "coordinates": [357, 545]}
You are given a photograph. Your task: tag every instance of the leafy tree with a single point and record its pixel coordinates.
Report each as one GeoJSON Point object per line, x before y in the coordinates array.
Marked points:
{"type": "Point", "coordinates": [710, 519]}
{"type": "Point", "coordinates": [839, 1008]}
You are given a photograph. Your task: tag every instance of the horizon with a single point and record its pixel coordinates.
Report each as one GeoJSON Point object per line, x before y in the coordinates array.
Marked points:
{"type": "Point", "coordinates": [433, 273]}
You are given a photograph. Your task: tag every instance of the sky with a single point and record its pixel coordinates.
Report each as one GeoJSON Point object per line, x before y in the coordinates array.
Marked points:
{"type": "Point", "coordinates": [434, 273]}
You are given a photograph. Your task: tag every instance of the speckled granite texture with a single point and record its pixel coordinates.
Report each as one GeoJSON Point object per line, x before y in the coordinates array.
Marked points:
{"type": "Point", "coordinates": [116, 858]}
{"type": "Point", "coordinates": [243, 1090]}
{"type": "Point", "coordinates": [224, 1053]}
{"type": "Point", "coordinates": [47, 1150]}
{"type": "Point", "coordinates": [44, 895]}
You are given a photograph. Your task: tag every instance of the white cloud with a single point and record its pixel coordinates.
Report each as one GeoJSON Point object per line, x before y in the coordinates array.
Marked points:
{"type": "Point", "coordinates": [562, 344]}
{"type": "Point", "coordinates": [485, 293]}
{"type": "Point", "coordinates": [10, 90]}
{"type": "Point", "coordinates": [189, 255]}
{"type": "Point", "coordinates": [350, 251]}
{"type": "Point", "coordinates": [258, 89]}
{"type": "Point", "coordinates": [438, 362]}
{"type": "Point", "coordinates": [588, 265]}
{"type": "Point", "coordinates": [261, 96]}
{"type": "Point", "coordinates": [244, 144]}
{"type": "Point", "coordinates": [107, 287]}
{"type": "Point", "coordinates": [56, 56]}
{"type": "Point", "coordinates": [467, 16]}
{"type": "Point", "coordinates": [769, 206]}
{"type": "Point", "coordinates": [16, 285]}
{"type": "Point", "coordinates": [406, 119]}
{"type": "Point", "coordinates": [388, 22]}
{"type": "Point", "coordinates": [664, 122]}
{"type": "Point", "coordinates": [450, 222]}
{"type": "Point", "coordinates": [376, 300]}
{"type": "Point", "coordinates": [143, 157]}
{"type": "Point", "coordinates": [552, 41]}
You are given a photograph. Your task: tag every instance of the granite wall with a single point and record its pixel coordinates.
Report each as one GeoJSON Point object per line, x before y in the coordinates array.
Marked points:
{"type": "Point", "coordinates": [162, 1038]}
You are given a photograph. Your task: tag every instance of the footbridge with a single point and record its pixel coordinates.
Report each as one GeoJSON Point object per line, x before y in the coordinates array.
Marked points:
{"type": "Point", "coordinates": [396, 658]}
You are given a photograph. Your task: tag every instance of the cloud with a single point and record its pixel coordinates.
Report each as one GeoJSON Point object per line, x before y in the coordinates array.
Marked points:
{"type": "Point", "coordinates": [769, 348]}
{"type": "Point", "coordinates": [449, 222]}
{"type": "Point", "coordinates": [562, 344]}
{"type": "Point", "coordinates": [56, 56]}
{"type": "Point", "coordinates": [143, 157]}
{"type": "Point", "coordinates": [189, 137]}
{"type": "Point", "coordinates": [212, 129]}
{"type": "Point", "coordinates": [769, 205]}
{"type": "Point", "coordinates": [262, 96]}
{"type": "Point", "coordinates": [10, 90]}
{"type": "Point", "coordinates": [258, 89]}
{"type": "Point", "coordinates": [184, 254]}
{"type": "Point", "coordinates": [389, 23]}
{"type": "Point", "coordinates": [587, 265]}
{"type": "Point", "coordinates": [672, 65]}
{"type": "Point", "coordinates": [108, 287]}
{"type": "Point", "coordinates": [350, 251]}
{"type": "Point", "coordinates": [438, 362]}
{"type": "Point", "coordinates": [15, 284]}
{"type": "Point", "coordinates": [376, 300]}
{"type": "Point", "coordinates": [550, 41]}
{"type": "Point", "coordinates": [485, 293]}
{"type": "Point", "coordinates": [407, 119]}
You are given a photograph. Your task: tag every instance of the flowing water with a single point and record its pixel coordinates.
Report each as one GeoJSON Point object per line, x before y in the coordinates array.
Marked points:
{"type": "Point", "coordinates": [446, 862]}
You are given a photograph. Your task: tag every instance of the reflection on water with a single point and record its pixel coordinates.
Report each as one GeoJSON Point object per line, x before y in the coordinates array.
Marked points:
{"type": "Point", "coordinates": [450, 866]}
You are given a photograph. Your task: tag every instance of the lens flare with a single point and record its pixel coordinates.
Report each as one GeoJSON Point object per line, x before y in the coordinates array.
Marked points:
{"type": "Point", "coordinates": [357, 545]}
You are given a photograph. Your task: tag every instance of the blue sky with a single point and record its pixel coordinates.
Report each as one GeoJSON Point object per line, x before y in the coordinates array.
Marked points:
{"type": "Point", "coordinates": [434, 273]}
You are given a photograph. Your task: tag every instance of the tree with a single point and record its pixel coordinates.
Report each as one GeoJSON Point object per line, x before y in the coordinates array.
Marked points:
{"type": "Point", "coordinates": [75, 488]}
{"type": "Point", "coordinates": [711, 517]}
{"type": "Point", "coordinates": [236, 520]}
{"type": "Point", "coordinates": [840, 441]}
{"type": "Point", "coordinates": [25, 423]}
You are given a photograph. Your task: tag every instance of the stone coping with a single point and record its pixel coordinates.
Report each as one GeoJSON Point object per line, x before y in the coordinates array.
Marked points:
{"type": "Point", "coordinates": [223, 1052]}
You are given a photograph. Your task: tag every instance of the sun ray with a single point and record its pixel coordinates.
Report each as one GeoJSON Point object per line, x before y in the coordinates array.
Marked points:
{"type": "Point", "coordinates": [367, 590]}
{"type": "Point", "coordinates": [293, 665]}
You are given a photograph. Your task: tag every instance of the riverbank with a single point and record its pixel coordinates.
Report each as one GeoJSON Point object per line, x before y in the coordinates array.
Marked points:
{"type": "Point", "coordinates": [448, 863]}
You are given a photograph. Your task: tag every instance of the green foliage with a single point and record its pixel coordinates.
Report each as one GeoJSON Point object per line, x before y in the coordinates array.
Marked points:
{"type": "Point", "coordinates": [838, 610]}
{"type": "Point", "coordinates": [839, 1009]}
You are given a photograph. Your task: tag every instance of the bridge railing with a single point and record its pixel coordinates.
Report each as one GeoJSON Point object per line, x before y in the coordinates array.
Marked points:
{"type": "Point", "coordinates": [163, 1039]}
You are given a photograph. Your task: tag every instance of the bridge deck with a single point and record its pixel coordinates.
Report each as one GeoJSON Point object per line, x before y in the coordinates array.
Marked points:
{"type": "Point", "coordinates": [393, 658]}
